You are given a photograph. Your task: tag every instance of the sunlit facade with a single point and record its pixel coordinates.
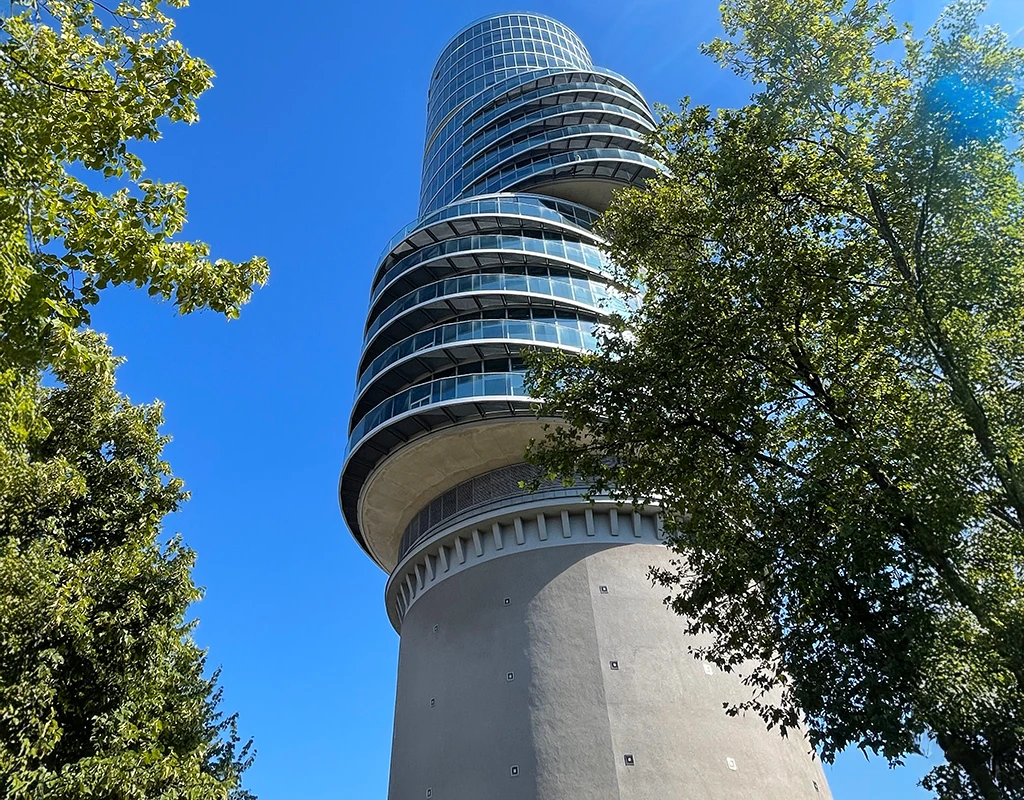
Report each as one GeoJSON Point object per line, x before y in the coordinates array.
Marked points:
{"type": "Point", "coordinates": [536, 661]}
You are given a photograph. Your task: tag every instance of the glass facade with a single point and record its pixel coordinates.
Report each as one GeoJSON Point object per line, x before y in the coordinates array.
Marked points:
{"type": "Point", "coordinates": [553, 283]}
{"type": "Point", "coordinates": [549, 246]}
{"type": "Point", "coordinates": [508, 69]}
{"type": "Point", "coordinates": [575, 334]}
{"type": "Point", "coordinates": [524, 137]}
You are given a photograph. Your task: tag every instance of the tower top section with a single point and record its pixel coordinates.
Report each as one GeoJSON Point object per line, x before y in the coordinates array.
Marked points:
{"type": "Point", "coordinates": [494, 49]}
{"type": "Point", "coordinates": [488, 79]}
{"type": "Point", "coordinates": [526, 142]}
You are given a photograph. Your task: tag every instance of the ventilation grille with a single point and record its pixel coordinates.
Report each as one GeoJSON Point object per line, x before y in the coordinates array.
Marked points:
{"type": "Point", "coordinates": [499, 484]}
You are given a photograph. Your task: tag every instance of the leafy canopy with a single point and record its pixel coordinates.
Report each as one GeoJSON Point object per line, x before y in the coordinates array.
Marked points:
{"type": "Point", "coordinates": [78, 85]}
{"type": "Point", "coordinates": [102, 692]}
{"type": "Point", "coordinates": [823, 387]}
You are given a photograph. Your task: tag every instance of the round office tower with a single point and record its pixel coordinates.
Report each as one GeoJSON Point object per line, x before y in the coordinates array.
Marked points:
{"type": "Point", "coordinates": [536, 660]}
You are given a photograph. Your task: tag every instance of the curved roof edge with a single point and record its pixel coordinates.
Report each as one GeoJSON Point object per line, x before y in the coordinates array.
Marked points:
{"type": "Point", "coordinates": [486, 17]}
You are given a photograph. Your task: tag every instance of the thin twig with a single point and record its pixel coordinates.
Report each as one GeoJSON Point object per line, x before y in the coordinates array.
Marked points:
{"type": "Point", "coordinates": [59, 86]}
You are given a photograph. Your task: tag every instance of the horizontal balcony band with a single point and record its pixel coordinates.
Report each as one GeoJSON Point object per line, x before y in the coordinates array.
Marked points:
{"type": "Point", "coordinates": [493, 386]}
{"type": "Point", "coordinates": [485, 262]}
{"type": "Point", "coordinates": [464, 357]}
{"type": "Point", "coordinates": [573, 138]}
{"type": "Point", "coordinates": [458, 111]}
{"type": "Point", "coordinates": [534, 151]}
{"type": "Point", "coordinates": [525, 95]}
{"type": "Point", "coordinates": [583, 256]}
{"type": "Point", "coordinates": [589, 112]}
{"type": "Point", "coordinates": [539, 169]}
{"type": "Point", "coordinates": [600, 296]}
{"type": "Point", "coordinates": [476, 101]}
{"type": "Point", "coordinates": [482, 302]}
{"type": "Point", "coordinates": [525, 206]}
{"type": "Point", "coordinates": [539, 102]}
{"type": "Point", "coordinates": [481, 223]}
{"type": "Point", "coordinates": [499, 72]}
{"type": "Point", "coordinates": [450, 360]}
{"type": "Point", "coordinates": [575, 334]}
{"type": "Point", "coordinates": [483, 161]}
{"type": "Point", "coordinates": [548, 97]}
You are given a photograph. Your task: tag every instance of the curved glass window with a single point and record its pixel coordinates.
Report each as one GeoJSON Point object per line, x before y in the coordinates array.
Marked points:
{"type": "Point", "coordinates": [496, 95]}
{"type": "Point", "coordinates": [495, 28]}
{"type": "Point", "coordinates": [508, 178]}
{"type": "Point", "coordinates": [484, 90]}
{"type": "Point", "coordinates": [480, 164]}
{"type": "Point", "coordinates": [485, 138]}
{"type": "Point", "coordinates": [528, 25]}
{"type": "Point", "coordinates": [584, 255]}
{"type": "Point", "coordinates": [490, 384]}
{"type": "Point", "coordinates": [477, 93]}
{"type": "Point", "coordinates": [495, 61]}
{"type": "Point", "coordinates": [521, 205]}
{"type": "Point", "coordinates": [492, 45]}
{"type": "Point", "coordinates": [581, 290]}
{"type": "Point", "coordinates": [524, 105]}
{"type": "Point", "coordinates": [578, 334]}
{"type": "Point", "coordinates": [541, 98]}
{"type": "Point", "coordinates": [435, 176]}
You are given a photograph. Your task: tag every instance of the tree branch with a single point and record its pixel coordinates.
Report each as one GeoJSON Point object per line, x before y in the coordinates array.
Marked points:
{"type": "Point", "coordinates": [59, 86]}
{"type": "Point", "coordinates": [1007, 472]}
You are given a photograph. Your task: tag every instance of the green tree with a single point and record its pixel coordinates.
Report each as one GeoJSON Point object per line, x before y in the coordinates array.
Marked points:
{"type": "Point", "coordinates": [824, 385]}
{"type": "Point", "coordinates": [78, 85]}
{"type": "Point", "coordinates": [102, 692]}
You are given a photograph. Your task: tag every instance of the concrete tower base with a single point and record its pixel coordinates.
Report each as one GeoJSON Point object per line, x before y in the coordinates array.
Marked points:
{"type": "Point", "coordinates": [552, 671]}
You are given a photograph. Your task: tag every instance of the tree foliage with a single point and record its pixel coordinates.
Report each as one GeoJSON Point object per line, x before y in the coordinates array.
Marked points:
{"type": "Point", "coordinates": [102, 692]}
{"type": "Point", "coordinates": [78, 85]}
{"type": "Point", "coordinates": [823, 387]}
{"type": "Point", "coordinates": [102, 688]}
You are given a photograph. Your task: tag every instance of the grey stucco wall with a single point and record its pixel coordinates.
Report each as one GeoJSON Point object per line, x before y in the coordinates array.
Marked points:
{"type": "Point", "coordinates": [567, 720]}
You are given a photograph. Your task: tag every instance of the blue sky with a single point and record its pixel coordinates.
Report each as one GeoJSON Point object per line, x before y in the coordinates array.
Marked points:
{"type": "Point", "coordinates": [308, 153]}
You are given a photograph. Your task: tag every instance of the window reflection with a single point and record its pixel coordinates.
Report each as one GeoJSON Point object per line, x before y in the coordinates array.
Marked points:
{"type": "Point", "coordinates": [550, 245]}
{"type": "Point", "coordinates": [582, 290]}
{"type": "Point", "coordinates": [568, 332]}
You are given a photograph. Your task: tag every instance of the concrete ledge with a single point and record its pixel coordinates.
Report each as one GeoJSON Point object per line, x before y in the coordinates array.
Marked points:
{"type": "Point", "coordinates": [414, 475]}
{"type": "Point", "coordinates": [531, 523]}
